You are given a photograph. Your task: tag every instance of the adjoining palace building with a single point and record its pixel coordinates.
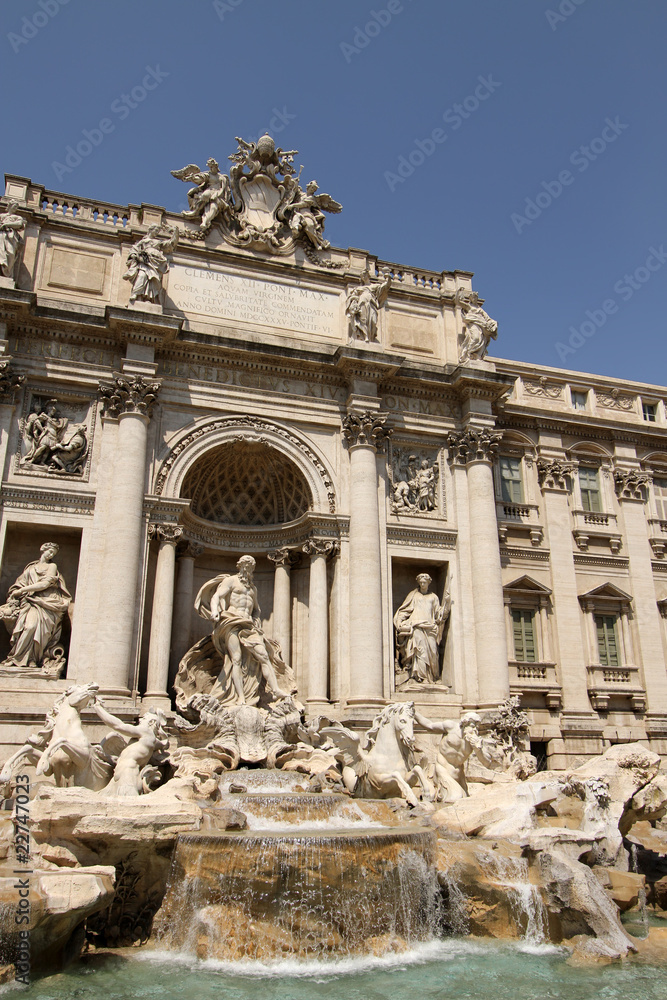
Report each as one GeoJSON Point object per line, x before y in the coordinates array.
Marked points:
{"type": "Point", "coordinates": [182, 390]}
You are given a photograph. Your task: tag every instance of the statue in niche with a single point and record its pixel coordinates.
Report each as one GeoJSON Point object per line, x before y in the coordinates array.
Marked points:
{"type": "Point", "coordinates": [137, 769]}
{"type": "Point", "coordinates": [36, 604]}
{"type": "Point", "coordinates": [249, 666]}
{"type": "Point", "coordinates": [11, 239]}
{"type": "Point", "coordinates": [147, 262]}
{"type": "Point", "coordinates": [413, 484]}
{"type": "Point", "coordinates": [363, 305]}
{"type": "Point", "coordinates": [419, 624]}
{"type": "Point", "coordinates": [478, 326]}
{"type": "Point", "coordinates": [51, 443]}
{"type": "Point", "coordinates": [212, 195]}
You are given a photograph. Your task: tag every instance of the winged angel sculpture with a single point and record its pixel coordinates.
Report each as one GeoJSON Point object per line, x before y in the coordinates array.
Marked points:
{"type": "Point", "coordinates": [261, 202]}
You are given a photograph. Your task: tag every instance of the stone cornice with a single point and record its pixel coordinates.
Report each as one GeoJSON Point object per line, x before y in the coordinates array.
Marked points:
{"type": "Point", "coordinates": [267, 538]}
{"type": "Point", "coordinates": [36, 498]}
{"type": "Point", "coordinates": [419, 536]}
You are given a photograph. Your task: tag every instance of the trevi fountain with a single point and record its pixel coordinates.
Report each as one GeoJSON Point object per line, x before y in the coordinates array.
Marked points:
{"type": "Point", "coordinates": [320, 678]}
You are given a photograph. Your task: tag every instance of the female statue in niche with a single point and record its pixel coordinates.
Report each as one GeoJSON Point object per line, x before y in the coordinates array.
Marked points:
{"type": "Point", "coordinates": [419, 624]}
{"type": "Point", "coordinates": [36, 605]}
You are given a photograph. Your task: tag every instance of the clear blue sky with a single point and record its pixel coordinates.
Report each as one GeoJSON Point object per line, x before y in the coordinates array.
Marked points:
{"type": "Point", "coordinates": [355, 102]}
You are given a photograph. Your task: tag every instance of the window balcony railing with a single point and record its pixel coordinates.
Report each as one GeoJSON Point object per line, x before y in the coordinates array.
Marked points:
{"type": "Point", "coordinates": [527, 678]}
{"type": "Point", "coordinates": [521, 518]}
{"type": "Point", "coordinates": [587, 524]}
{"type": "Point", "coordinates": [623, 681]}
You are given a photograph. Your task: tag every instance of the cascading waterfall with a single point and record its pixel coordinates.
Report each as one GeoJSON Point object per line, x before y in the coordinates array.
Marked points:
{"type": "Point", "coordinates": [304, 895]}
{"type": "Point", "coordinates": [526, 901]}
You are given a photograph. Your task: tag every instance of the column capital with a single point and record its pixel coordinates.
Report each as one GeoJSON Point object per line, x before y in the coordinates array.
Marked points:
{"type": "Point", "coordinates": [128, 394]}
{"type": "Point", "coordinates": [630, 484]}
{"type": "Point", "coordinates": [170, 533]}
{"type": "Point", "coordinates": [366, 428]}
{"type": "Point", "coordinates": [189, 549]}
{"type": "Point", "coordinates": [10, 380]}
{"type": "Point", "coordinates": [475, 444]}
{"type": "Point", "coordinates": [552, 474]}
{"type": "Point", "coordinates": [284, 556]}
{"type": "Point", "coordinates": [321, 547]}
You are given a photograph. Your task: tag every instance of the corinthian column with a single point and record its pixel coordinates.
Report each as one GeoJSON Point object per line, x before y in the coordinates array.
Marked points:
{"type": "Point", "coordinates": [476, 449]}
{"type": "Point", "coordinates": [181, 633]}
{"type": "Point", "coordinates": [283, 559]}
{"type": "Point", "coordinates": [631, 486]}
{"type": "Point", "coordinates": [365, 433]}
{"type": "Point", "coordinates": [318, 623]}
{"type": "Point", "coordinates": [130, 399]}
{"type": "Point", "coordinates": [162, 614]}
{"type": "Point", "coordinates": [554, 476]}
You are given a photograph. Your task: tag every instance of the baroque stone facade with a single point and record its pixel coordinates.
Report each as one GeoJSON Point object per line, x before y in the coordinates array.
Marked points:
{"type": "Point", "coordinates": [427, 524]}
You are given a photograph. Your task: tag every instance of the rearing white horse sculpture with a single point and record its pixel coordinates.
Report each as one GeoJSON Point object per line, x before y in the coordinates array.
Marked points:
{"type": "Point", "coordinates": [384, 765]}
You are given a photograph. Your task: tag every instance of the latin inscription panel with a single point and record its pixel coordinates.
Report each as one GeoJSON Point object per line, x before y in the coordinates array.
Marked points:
{"type": "Point", "coordinates": [219, 295]}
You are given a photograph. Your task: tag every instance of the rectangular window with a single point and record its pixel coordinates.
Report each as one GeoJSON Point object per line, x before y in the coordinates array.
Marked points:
{"type": "Point", "coordinates": [523, 624]}
{"type": "Point", "coordinates": [579, 400]}
{"type": "Point", "coordinates": [649, 410]}
{"type": "Point", "coordinates": [607, 645]}
{"type": "Point", "coordinates": [660, 493]}
{"type": "Point", "coordinates": [589, 484]}
{"type": "Point", "coordinates": [511, 489]}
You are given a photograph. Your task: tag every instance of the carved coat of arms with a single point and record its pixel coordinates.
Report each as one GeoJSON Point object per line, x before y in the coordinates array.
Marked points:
{"type": "Point", "coordinates": [261, 203]}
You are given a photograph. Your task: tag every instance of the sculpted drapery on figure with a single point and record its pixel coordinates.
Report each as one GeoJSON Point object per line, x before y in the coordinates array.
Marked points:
{"type": "Point", "coordinates": [363, 304]}
{"type": "Point", "coordinates": [36, 604]}
{"type": "Point", "coordinates": [11, 239]}
{"type": "Point", "coordinates": [51, 442]}
{"type": "Point", "coordinates": [419, 624]}
{"type": "Point", "coordinates": [237, 664]}
{"type": "Point", "coordinates": [147, 262]}
{"type": "Point", "coordinates": [478, 326]}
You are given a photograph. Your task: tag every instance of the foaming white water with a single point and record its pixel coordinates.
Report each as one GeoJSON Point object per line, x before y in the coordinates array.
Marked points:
{"type": "Point", "coordinates": [428, 951]}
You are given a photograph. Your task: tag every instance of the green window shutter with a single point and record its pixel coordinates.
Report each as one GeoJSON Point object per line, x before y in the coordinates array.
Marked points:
{"type": "Point", "coordinates": [590, 490]}
{"type": "Point", "coordinates": [511, 487]}
{"type": "Point", "coordinates": [607, 645]}
{"type": "Point", "coordinates": [660, 491]}
{"type": "Point", "coordinates": [523, 626]}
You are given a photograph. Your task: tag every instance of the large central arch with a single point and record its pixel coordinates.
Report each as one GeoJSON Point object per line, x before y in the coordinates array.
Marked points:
{"type": "Point", "coordinates": [198, 446]}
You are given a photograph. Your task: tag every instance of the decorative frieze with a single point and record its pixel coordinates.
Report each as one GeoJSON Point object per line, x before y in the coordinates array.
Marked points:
{"type": "Point", "coordinates": [554, 474]}
{"type": "Point", "coordinates": [543, 387]}
{"type": "Point", "coordinates": [128, 394]}
{"type": "Point", "coordinates": [473, 445]}
{"type": "Point", "coordinates": [615, 400]}
{"type": "Point", "coordinates": [366, 428]}
{"type": "Point", "coordinates": [631, 484]}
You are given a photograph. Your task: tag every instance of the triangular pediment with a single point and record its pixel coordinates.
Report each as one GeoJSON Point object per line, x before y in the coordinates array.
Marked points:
{"type": "Point", "coordinates": [526, 584]}
{"type": "Point", "coordinates": [607, 591]}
